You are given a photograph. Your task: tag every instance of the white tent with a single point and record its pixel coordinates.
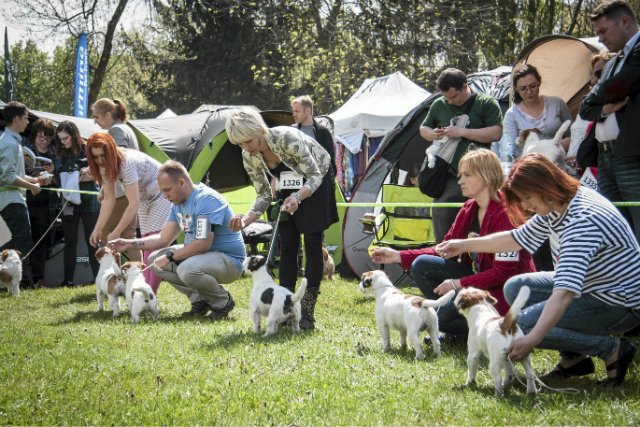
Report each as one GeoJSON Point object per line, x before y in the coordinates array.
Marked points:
{"type": "Point", "coordinates": [378, 105]}
{"type": "Point", "coordinates": [167, 113]}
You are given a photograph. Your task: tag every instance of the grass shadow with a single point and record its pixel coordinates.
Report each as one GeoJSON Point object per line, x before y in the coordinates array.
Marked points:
{"type": "Point", "coordinates": [76, 299]}
{"type": "Point", "coordinates": [363, 300]}
{"type": "Point", "coordinates": [248, 337]}
{"type": "Point", "coordinates": [92, 317]}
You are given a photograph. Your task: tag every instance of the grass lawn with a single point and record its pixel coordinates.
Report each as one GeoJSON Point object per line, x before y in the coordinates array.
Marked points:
{"type": "Point", "coordinates": [64, 364]}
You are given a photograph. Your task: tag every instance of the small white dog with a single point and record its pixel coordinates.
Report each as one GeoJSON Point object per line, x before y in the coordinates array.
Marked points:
{"type": "Point", "coordinates": [10, 271]}
{"type": "Point", "coordinates": [408, 314]}
{"type": "Point", "coordinates": [328, 267]}
{"type": "Point", "coordinates": [550, 148]}
{"type": "Point", "coordinates": [276, 303]}
{"type": "Point", "coordinates": [140, 296]}
{"type": "Point", "coordinates": [109, 281]}
{"type": "Point", "coordinates": [491, 335]}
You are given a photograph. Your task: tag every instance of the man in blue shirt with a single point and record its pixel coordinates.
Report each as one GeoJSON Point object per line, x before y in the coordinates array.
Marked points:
{"type": "Point", "coordinates": [212, 254]}
{"type": "Point", "coordinates": [14, 181]}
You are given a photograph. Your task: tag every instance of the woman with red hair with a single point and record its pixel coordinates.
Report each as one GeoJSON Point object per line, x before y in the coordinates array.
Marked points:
{"type": "Point", "coordinates": [139, 174]}
{"type": "Point", "coordinates": [593, 294]}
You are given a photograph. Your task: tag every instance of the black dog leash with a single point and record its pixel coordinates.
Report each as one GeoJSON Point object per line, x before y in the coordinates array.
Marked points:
{"type": "Point", "coordinates": [270, 255]}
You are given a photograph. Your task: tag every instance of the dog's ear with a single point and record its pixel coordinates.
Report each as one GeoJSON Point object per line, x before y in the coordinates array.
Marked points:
{"type": "Point", "coordinates": [325, 253]}
{"type": "Point", "coordinates": [367, 279]}
{"type": "Point", "coordinates": [100, 253]}
{"type": "Point", "coordinates": [490, 299]}
{"type": "Point", "coordinates": [4, 254]}
{"type": "Point", "coordinates": [118, 257]}
{"type": "Point", "coordinates": [256, 262]}
{"type": "Point", "coordinates": [124, 267]}
{"type": "Point", "coordinates": [139, 264]}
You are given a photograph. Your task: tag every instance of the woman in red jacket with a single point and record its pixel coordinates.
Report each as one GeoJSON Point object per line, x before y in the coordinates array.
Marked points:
{"type": "Point", "coordinates": [481, 177]}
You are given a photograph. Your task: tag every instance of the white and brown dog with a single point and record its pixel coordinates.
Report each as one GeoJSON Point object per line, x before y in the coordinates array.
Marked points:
{"type": "Point", "coordinates": [140, 296]}
{"type": "Point", "coordinates": [329, 267]}
{"type": "Point", "coordinates": [408, 314]}
{"type": "Point", "coordinates": [550, 148]}
{"type": "Point", "coordinates": [277, 303]}
{"type": "Point", "coordinates": [109, 281]}
{"type": "Point", "coordinates": [10, 271]}
{"type": "Point", "coordinates": [491, 335]}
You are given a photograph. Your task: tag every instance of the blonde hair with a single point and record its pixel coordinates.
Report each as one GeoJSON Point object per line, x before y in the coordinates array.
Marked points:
{"type": "Point", "coordinates": [486, 164]}
{"type": "Point", "coordinates": [245, 125]}
{"type": "Point", "coordinates": [305, 101]}
{"type": "Point", "coordinates": [116, 107]}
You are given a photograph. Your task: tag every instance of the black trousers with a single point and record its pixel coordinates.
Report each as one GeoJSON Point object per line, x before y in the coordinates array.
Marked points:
{"type": "Point", "coordinates": [289, 243]}
{"type": "Point", "coordinates": [70, 230]}
{"type": "Point", "coordinates": [39, 216]}
{"type": "Point", "coordinates": [17, 219]}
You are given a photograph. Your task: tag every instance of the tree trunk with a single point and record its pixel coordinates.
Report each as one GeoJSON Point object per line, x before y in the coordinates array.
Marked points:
{"type": "Point", "coordinates": [105, 56]}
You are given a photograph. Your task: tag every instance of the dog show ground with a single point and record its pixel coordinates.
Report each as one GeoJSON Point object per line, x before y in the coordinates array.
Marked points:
{"type": "Point", "coordinates": [63, 363]}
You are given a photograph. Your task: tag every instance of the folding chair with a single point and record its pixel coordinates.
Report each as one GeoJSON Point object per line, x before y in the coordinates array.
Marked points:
{"type": "Point", "coordinates": [403, 227]}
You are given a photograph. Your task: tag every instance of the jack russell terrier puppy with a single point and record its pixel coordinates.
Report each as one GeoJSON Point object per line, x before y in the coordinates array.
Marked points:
{"type": "Point", "coordinates": [408, 314]}
{"type": "Point", "coordinates": [276, 303]}
{"type": "Point", "coordinates": [550, 148]}
{"type": "Point", "coordinates": [140, 296]}
{"type": "Point", "coordinates": [109, 281]}
{"type": "Point", "coordinates": [10, 271]}
{"type": "Point", "coordinates": [491, 335]}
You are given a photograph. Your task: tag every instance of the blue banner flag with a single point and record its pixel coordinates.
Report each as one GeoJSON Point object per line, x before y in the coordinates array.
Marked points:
{"type": "Point", "coordinates": [9, 82]}
{"type": "Point", "coordinates": [81, 93]}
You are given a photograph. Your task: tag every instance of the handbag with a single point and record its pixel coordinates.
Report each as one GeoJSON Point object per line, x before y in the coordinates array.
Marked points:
{"type": "Point", "coordinates": [71, 181]}
{"type": "Point", "coordinates": [432, 181]}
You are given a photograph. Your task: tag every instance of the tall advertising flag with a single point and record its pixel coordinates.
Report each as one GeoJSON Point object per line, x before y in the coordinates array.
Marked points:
{"type": "Point", "coordinates": [81, 93]}
{"type": "Point", "coordinates": [9, 82]}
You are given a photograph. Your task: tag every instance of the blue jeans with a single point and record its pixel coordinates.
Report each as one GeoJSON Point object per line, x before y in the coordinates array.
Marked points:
{"type": "Point", "coordinates": [619, 181]}
{"type": "Point", "coordinates": [585, 328]}
{"type": "Point", "coordinates": [428, 272]}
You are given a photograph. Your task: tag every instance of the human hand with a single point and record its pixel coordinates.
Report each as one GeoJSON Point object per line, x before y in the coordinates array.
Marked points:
{"type": "Point", "coordinates": [35, 189]}
{"type": "Point", "coordinates": [48, 168]}
{"type": "Point", "coordinates": [439, 133]}
{"type": "Point", "coordinates": [446, 286]}
{"type": "Point", "coordinates": [120, 245]}
{"type": "Point", "coordinates": [454, 132]}
{"type": "Point", "coordinates": [101, 196]}
{"type": "Point", "coordinates": [521, 348]}
{"type": "Point", "coordinates": [96, 236]}
{"type": "Point", "coordinates": [614, 106]}
{"type": "Point", "coordinates": [450, 248]}
{"type": "Point", "coordinates": [385, 256]}
{"type": "Point", "coordinates": [161, 262]}
{"type": "Point", "coordinates": [112, 236]}
{"type": "Point", "coordinates": [235, 223]}
{"type": "Point", "coordinates": [290, 204]}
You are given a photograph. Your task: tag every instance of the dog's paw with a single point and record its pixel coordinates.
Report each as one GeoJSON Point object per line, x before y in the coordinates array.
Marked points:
{"type": "Point", "coordinates": [419, 356]}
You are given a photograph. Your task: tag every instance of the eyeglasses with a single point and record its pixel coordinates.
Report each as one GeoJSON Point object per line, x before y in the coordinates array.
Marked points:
{"type": "Point", "coordinates": [529, 88]}
{"type": "Point", "coordinates": [44, 137]}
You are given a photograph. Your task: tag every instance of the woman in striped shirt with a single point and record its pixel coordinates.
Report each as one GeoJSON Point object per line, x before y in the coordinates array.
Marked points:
{"type": "Point", "coordinates": [593, 294]}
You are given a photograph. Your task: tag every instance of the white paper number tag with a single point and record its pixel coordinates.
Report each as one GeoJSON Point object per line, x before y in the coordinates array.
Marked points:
{"type": "Point", "coordinates": [202, 225]}
{"type": "Point", "coordinates": [289, 180]}
{"type": "Point", "coordinates": [507, 256]}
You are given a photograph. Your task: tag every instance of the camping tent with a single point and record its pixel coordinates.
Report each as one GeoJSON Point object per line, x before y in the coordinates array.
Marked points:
{"type": "Point", "coordinates": [378, 104]}
{"type": "Point", "coordinates": [564, 65]}
{"type": "Point", "coordinates": [400, 149]}
{"type": "Point", "coordinates": [166, 113]}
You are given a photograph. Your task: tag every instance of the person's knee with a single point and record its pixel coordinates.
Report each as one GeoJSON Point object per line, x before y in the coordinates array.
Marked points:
{"type": "Point", "coordinates": [512, 287]}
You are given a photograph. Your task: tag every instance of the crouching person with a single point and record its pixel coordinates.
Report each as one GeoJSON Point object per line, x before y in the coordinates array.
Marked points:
{"type": "Point", "coordinates": [211, 255]}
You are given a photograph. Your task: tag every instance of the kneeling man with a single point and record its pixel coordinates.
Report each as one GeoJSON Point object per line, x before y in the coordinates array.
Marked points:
{"type": "Point", "coordinates": [211, 255]}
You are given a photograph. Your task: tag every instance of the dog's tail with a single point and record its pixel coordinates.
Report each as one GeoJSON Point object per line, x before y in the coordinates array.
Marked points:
{"type": "Point", "coordinates": [440, 301]}
{"type": "Point", "coordinates": [144, 290]}
{"type": "Point", "coordinates": [563, 129]}
{"type": "Point", "coordinates": [509, 322]}
{"type": "Point", "coordinates": [300, 292]}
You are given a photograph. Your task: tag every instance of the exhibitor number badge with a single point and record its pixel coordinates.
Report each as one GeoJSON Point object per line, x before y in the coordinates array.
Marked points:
{"type": "Point", "coordinates": [290, 181]}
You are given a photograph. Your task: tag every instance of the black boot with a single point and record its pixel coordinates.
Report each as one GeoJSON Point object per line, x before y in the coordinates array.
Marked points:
{"type": "Point", "coordinates": [308, 305]}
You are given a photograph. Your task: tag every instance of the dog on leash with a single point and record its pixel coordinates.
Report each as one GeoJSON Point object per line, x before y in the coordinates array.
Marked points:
{"type": "Point", "coordinates": [10, 271]}
{"type": "Point", "coordinates": [530, 142]}
{"type": "Point", "coordinates": [329, 267]}
{"type": "Point", "coordinates": [277, 303]}
{"type": "Point", "coordinates": [109, 282]}
{"type": "Point", "coordinates": [140, 296]}
{"type": "Point", "coordinates": [491, 335]}
{"type": "Point", "coordinates": [408, 314]}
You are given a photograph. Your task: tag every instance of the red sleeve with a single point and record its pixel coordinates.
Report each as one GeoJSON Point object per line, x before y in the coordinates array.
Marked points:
{"type": "Point", "coordinates": [407, 256]}
{"type": "Point", "coordinates": [493, 274]}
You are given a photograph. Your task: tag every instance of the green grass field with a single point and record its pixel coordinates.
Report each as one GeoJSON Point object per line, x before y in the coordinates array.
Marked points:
{"type": "Point", "coordinates": [64, 364]}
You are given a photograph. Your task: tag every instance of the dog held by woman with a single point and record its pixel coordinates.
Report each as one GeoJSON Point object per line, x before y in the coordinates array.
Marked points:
{"type": "Point", "coordinates": [491, 335]}
{"type": "Point", "coordinates": [408, 314]}
{"type": "Point", "coordinates": [277, 303]}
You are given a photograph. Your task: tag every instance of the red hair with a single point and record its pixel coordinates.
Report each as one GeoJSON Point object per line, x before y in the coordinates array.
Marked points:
{"type": "Point", "coordinates": [113, 157]}
{"type": "Point", "coordinates": [536, 175]}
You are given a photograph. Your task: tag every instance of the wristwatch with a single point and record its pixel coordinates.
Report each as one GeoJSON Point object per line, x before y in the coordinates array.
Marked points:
{"type": "Point", "coordinates": [169, 255]}
{"type": "Point", "coordinates": [297, 197]}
